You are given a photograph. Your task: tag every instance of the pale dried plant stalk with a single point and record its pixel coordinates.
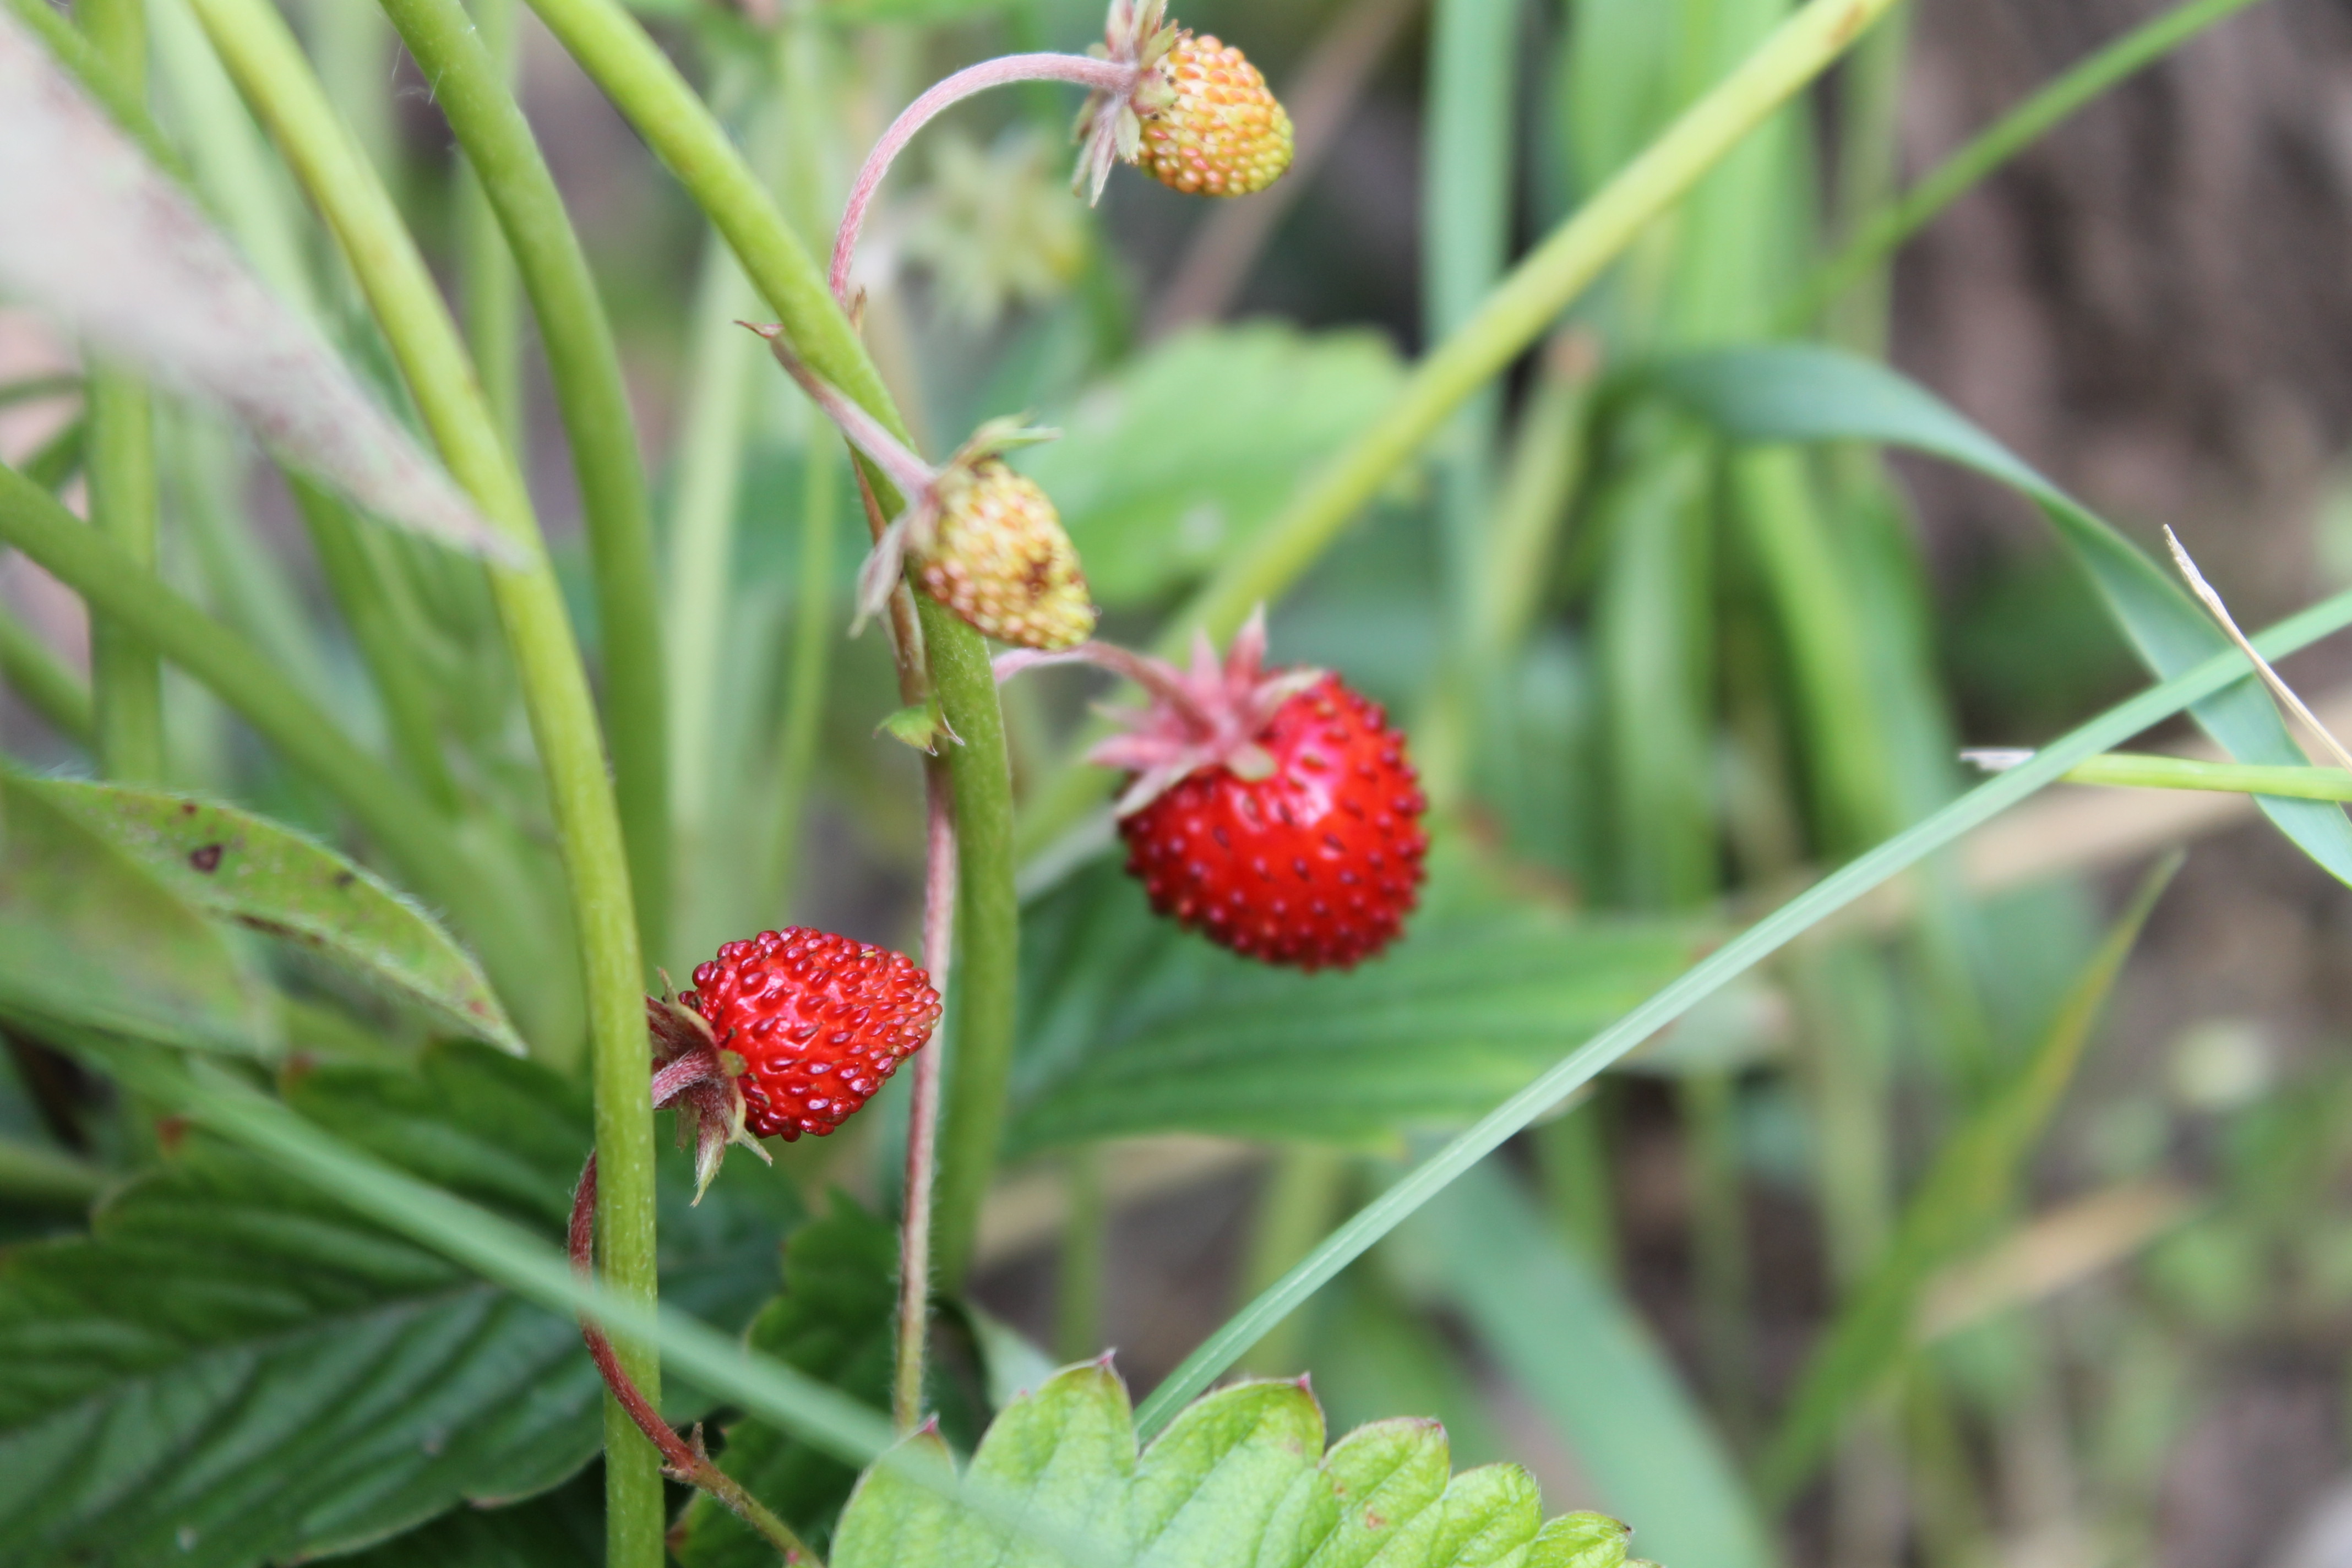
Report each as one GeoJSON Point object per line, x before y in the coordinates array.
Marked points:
{"type": "Point", "coordinates": [121, 257]}
{"type": "Point", "coordinates": [2212, 602]}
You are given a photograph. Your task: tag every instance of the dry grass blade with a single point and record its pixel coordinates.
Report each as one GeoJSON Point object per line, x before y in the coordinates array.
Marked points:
{"type": "Point", "coordinates": [2213, 601]}
{"type": "Point", "coordinates": [98, 237]}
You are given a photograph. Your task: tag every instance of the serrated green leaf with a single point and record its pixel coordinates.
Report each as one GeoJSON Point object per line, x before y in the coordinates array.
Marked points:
{"type": "Point", "coordinates": [836, 1320]}
{"type": "Point", "coordinates": [232, 1369]}
{"type": "Point", "coordinates": [1134, 1027]}
{"type": "Point", "coordinates": [1238, 1481]}
{"type": "Point", "coordinates": [1164, 470]}
{"type": "Point", "coordinates": [1798, 393]}
{"type": "Point", "coordinates": [90, 939]}
{"type": "Point", "coordinates": [247, 868]}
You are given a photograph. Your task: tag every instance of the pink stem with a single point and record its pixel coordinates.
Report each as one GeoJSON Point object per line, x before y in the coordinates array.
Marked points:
{"type": "Point", "coordinates": [1158, 677]}
{"type": "Point", "coordinates": [697, 1066]}
{"type": "Point", "coordinates": [1103, 76]}
{"type": "Point", "coordinates": [685, 1460]}
{"type": "Point", "coordinates": [909, 472]}
{"type": "Point", "coordinates": [923, 1114]}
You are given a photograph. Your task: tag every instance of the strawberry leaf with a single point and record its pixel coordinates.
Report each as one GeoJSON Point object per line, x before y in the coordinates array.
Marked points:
{"type": "Point", "coordinates": [1132, 1027]}
{"type": "Point", "coordinates": [232, 1369]}
{"type": "Point", "coordinates": [249, 869]}
{"type": "Point", "coordinates": [1239, 1478]}
{"type": "Point", "coordinates": [835, 1321]}
{"type": "Point", "coordinates": [89, 938]}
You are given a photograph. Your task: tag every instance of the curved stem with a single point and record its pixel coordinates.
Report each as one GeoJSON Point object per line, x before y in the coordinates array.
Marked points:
{"type": "Point", "coordinates": [898, 462]}
{"type": "Point", "coordinates": [685, 1460]}
{"type": "Point", "coordinates": [271, 72]}
{"type": "Point", "coordinates": [1103, 76]}
{"type": "Point", "coordinates": [584, 368]}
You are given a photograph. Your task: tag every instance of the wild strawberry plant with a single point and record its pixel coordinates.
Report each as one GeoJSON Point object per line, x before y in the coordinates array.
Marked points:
{"type": "Point", "coordinates": [336, 1046]}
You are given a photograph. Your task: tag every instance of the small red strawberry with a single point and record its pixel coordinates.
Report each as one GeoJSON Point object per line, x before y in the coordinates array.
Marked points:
{"type": "Point", "coordinates": [1276, 814]}
{"type": "Point", "coordinates": [819, 1022]}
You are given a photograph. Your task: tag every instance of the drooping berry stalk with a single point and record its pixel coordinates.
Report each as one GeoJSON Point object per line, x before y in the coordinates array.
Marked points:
{"type": "Point", "coordinates": [986, 541]}
{"type": "Point", "coordinates": [1102, 76]}
{"type": "Point", "coordinates": [684, 1461]}
{"type": "Point", "coordinates": [1192, 111]}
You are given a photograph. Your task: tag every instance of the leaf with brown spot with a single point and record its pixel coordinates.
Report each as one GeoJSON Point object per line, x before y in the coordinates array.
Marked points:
{"type": "Point", "coordinates": [234, 864]}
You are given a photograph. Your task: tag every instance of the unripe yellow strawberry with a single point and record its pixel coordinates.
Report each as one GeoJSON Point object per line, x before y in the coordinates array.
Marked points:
{"type": "Point", "coordinates": [998, 557]}
{"type": "Point", "coordinates": [1220, 132]}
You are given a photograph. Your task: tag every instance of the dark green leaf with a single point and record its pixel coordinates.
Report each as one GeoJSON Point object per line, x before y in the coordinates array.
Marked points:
{"type": "Point", "coordinates": [90, 939]}
{"type": "Point", "coordinates": [836, 1320]}
{"type": "Point", "coordinates": [1134, 1027]}
{"type": "Point", "coordinates": [1807, 394]}
{"type": "Point", "coordinates": [260, 874]}
{"type": "Point", "coordinates": [1240, 1479]}
{"type": "Point", "coordinates": [1164, 470]}
{"type": "Point", "coordinates": [561, 1528]}
{"type": "Point", "coordinates": [233, 1369]}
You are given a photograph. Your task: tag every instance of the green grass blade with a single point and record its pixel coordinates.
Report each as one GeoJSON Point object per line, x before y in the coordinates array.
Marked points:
{"type": "Point", "coordinates": [1573, 1347]}
{"type": "Point", "coordinates": [1975, 1175]}
{"type": "Point", "coordinates": [32, 669]}
{"type": "Point", "coordinates": [1791, 393]}
{"type": "Point", "coordinates": [1735, 958]}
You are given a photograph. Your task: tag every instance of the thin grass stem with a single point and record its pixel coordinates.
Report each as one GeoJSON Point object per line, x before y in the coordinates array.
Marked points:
{"type": "Point", "coordinates": [34, 671]}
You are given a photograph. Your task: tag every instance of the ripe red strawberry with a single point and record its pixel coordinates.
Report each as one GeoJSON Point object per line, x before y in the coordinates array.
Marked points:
{"type": "Point", "coordinates": [818, 1020]}
{"type": "Point", "coordinates": [1274, 814]}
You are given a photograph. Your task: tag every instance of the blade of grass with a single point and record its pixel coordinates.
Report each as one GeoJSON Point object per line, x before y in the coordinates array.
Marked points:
{"type": "Point", "coordinates": [38, 676]}
{"type": "Point", "coordinates": [270, 71]}
{"type": "Point", "coordinates": [2133, 770]}
{"type": "Point", "coordinates": [1879, 235]}
{"type": "Point", "coordinates": [584, 366]}
{"type": "Point", "coordinates": [1742, 952]}
{"type": "Point", "coordinates": [640, 80]}
{"type": "Point", "coordinates": [1976, 1174]}
{"type": "Point", "coordinates": [126, 676]}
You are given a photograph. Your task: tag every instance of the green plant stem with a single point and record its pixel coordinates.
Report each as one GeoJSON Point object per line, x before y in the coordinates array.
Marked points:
{"type": "Point", "coordinates": [388, 810]}
{"type": "Point", "coordinates": [47, 1177]}
{"type": "Point", "coordinates": [1078, 1270]}
{"type": "Point", "coordinates": [470, 86]}
{"type": "Point", "coordinates": [1877, 238]}
{"type": "Point", "coordinates": [641, 81]}
{"type": "Point", "coordinates": [1709, 1102]}
{"type": "Point", "coordinates": [277, 82]}
{"type": "Point", "coordinates": [1572, 1154]}
{"type": "Point", "coordinates": [2135, 769]}
{"type": "Point", "coordinates": [39, 677]}
{"type": "Point", "coordinates": [1841, 889]}
{"type": "Point", "coordinates": [126, 675]}
{"type": "Point", "coordinates": [1520, 311]}
{"type": "Point", "coordinates": [489, 284]}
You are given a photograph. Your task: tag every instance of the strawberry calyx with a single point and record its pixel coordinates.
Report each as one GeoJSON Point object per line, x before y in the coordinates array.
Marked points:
{"type": "Point", "coordinates": [1213, 714]}
{"type": "Point", "coordinates": [1137, 36]}
{"type": "Point", "coordinates": [702, 1082]}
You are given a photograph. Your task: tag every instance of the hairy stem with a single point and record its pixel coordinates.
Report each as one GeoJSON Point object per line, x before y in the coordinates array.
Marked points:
{"type": "Point", "coordinates": [269, 69]}
{"type": "Point", "coordinates": [1101, 75]}
{"type": "Point", "coordinates": [685, 1460]}
{"type": "Point", "coordinates": [923, 1113]}
{"type": "Point", "coordinates": [584, 366]}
